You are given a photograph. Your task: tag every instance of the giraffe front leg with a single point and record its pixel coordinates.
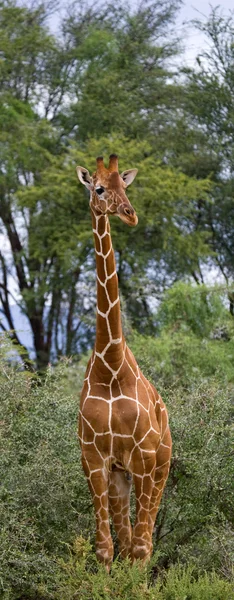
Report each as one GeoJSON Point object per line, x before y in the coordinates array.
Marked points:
{"type": "Point", "coordinates": [97, 477]}
{"type": "Point", "coordinates": [119, 504]}
{"type": "Point", "coordinates": [144, 483]}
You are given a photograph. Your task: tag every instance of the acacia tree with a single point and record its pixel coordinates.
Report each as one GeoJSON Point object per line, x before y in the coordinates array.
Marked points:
{"type": "Point", "coordinates": [121, 76]}
{"type": "Point", "coordinates": [39, 75]}
{"type": "Point", "coordinates": [209, 129]}
{"type": "Point", "coordinates": [49, 92]}
{"type": "Point", "coordinates": [37, 253]}
{"type": "Point", "coordinates": [165, 246]}
{"type": "Point", "coordinates": [42, 257]}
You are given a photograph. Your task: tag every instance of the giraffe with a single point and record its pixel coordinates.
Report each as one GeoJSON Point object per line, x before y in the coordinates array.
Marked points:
{"type": "Point", "coordinates": [123, 423]}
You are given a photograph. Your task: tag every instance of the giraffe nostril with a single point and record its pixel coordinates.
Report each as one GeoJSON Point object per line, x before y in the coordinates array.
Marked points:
{"type": "Point", "coordinates": [127, 211]}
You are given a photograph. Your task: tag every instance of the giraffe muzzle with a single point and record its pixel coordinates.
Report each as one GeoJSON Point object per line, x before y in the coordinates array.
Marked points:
{"type": "Point", "coordinates": [127, 214]}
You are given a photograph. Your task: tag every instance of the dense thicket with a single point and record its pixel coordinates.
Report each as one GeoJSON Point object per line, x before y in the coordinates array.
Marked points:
{"type": "Point", "coordinates": [45, 507]}
{"type": "Point", "coordinates": [106, 82]}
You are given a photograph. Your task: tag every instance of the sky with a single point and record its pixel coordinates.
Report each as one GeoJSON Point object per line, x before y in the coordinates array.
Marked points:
{"type": "Point", "coordinates": [194, 41]}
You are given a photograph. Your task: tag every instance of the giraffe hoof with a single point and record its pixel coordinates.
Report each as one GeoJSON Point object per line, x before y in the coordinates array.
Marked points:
{"type": "Point", "coordinates": [105, 558]}
{"type": "Point", "coordinates": [141, 552]}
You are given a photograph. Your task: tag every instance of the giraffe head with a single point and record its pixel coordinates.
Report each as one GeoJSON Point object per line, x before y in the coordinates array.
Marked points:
{"type": "Point", "coordinates": [107, 189]}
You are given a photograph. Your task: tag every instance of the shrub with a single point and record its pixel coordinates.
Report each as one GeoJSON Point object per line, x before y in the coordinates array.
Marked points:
{"type": "Point", "coordinates": [46, 509]}
{"type": "Point", "coordinates": [182, 359]}
{"type": "Point", "coordinates": [44, 501]}
{"type": "Point", "coordinates": [195, 522]}
{"type": "Point", "coordinates": [195, 309]}
{"type": "Point", "coordinates": [194, 377]}
{"type": "Point", "coordinates": [183, 584]}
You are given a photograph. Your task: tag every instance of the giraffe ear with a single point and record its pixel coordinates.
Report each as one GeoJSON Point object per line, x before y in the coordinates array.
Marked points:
{"type": "Point", "coordinates": [129, 176]}
{"type": "Point", "coordinates": [84, 176]}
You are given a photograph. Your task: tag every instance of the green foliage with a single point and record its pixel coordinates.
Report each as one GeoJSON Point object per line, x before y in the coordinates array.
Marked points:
{"type": "Point", "coordinates": [104, 86]}
{"type": "Point", "coordinates": [198, 518]}
{"type": "Point", "coordinates": [119, 65]}
{"type": "Point", "coordinates": [209, 105]}
{"type": "Point", "coordinates": [43, 487]}
{"type": "Point", "coordinates": [46, 509]}
{"type": "Point", "coordinates": [196, 338]}
{"type": "Point", "coordinates": [133, 582]}
{"type": "Point", "coordinates": [183, 217]}
{"type": "Point", "coordinates": [162, 217]}
{"type": "Point", "coordinates": [25, 45]}
{"type": "Point", "coordinates": [182, 358]}
{"type": "Point", "coordinates": [195, 309]}
{"type": "Point", "coordinates": [180, 583]}
{"type": "Point", "coordinates": [191, 364]}
{"type": "Point", "coordinates": [58, 100]}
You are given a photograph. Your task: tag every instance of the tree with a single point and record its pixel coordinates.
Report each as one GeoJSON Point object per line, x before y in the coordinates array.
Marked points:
{"type": "Point", "coordinates": [45, 273]}
{"type": "Point", "coordinates": [166, 244]}
{"type": "Point", "coordinates": [44, 213]}
{"type": "Point", "coordinates": [121, 80]}
{"type": "Point", "coordinates": [208, 115]}
{"type": "Point", "coordinates": [43, 225]}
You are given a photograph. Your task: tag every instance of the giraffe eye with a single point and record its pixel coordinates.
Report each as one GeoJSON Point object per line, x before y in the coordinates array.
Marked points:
{"type": "Point", "coordinates": [100, 190]}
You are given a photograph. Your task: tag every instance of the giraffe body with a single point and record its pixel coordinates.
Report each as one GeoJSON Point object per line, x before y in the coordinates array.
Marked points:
{"type": "Point", "coordinates": [123, 422]}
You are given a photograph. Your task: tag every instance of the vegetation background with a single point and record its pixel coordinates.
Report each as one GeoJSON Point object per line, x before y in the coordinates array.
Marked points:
{"type": "Point", "coordinates": [112, 79]}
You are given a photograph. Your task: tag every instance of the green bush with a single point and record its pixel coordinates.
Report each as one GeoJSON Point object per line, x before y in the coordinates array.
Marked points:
{"type": "Point", "coordinates": [195, 341]}
{"type": "Point", "coordinates": [183, 359]}
{"type": "Point", "coordinates": [195, 378]}
{"type": "Point", "coordinates": [44, 501]}
{"type": "Point", "coordinates": [89, 581]}
{"type": "Point", "coordinates": [46, 509]}
{"type": "Point", "coordinates": [183, 584]}
{"type": "Point", "coordinates": [193, 308]}
{"type": "Point", "coordinates": [195, 522]}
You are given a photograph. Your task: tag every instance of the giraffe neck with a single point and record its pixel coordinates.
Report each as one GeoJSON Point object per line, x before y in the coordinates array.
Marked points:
{"type": "Point", "coordinates": [109, 335]}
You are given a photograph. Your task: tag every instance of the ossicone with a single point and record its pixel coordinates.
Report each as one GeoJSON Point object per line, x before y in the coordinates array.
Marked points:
{"type": "Point", "coordinates": [113, 163]}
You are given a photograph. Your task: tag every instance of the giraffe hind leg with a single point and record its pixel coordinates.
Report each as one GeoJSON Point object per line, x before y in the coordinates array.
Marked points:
{"type": "Point", "coordinates": [144, 484]}
{"type": "Point", "coordinates": [161, 475]}
{"type": "Point", "coordinates": [160, 481]}
{"type": "Point", "coordinates": [119, 505]}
